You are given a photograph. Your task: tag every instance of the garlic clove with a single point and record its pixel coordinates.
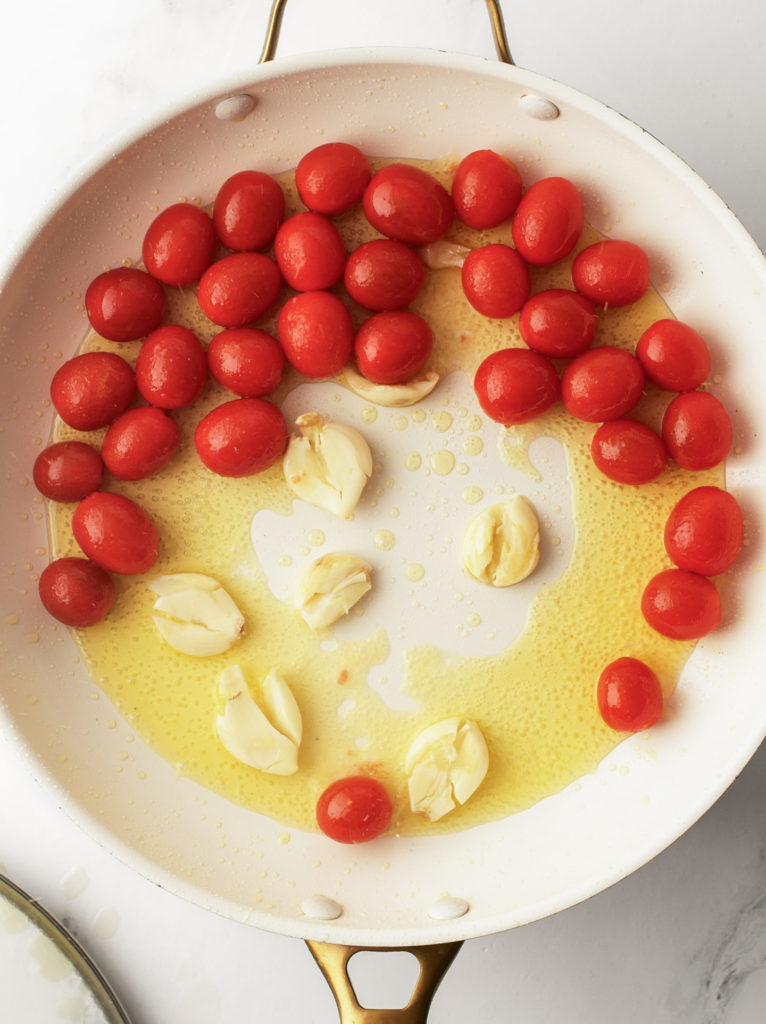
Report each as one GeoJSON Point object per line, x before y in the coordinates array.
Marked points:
{"type": "Point", "coordinates": [501, 545]}
{"type": "Point", "coordinates": [445, 765]}
{"type": "Point", "coordinates": [328, 465]}
{"type": "Point", "coordinates": [443, 253]}
{"type": "Point", "coordinates": [195, 615]}
{"type": "Point", "coordinates": [392, 395]}
{"type": "Point", "coordinates": [330, 587]}
{"type": "Point", "coordinates": [246, 732]}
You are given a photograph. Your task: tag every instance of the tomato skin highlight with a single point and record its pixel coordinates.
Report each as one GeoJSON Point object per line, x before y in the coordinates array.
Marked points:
{"type": "Point", "coordinates": [316, 333]}
{"type": "Point", "coordinates": [247, 211]}
{"type": "Point", "coordinates": [92, 389]}
{"type": "Point", "coordinates": [408, 204]}
{"type": "Point", "coordinates": [178, 245]}
{"type": "Point", "coordinates": [393, 346]}
{"type": "Point", "coordinates": [354, 810]}
{"type": "Point", "coordinates": [516, 385]}
{"type": "Point", "coordinates": [603, 383]}
{"type": "Point", "coordinates": [116, 533]}
{"type": "Point", "coordinates": [238, 289]}
{"type": "Point", "coordinates": [309, 252]}
{"type": "Point", "coordinates": [629, 452]}
{"type": "Point", "coordinates": [674, 356]}
{"type": "Point", "coordinates": [384, 274]}
{"type": "Point", "coordinates": [697, 430]}
{"type": "Point", "coordinates": [704, 531]}
{"type": "Point", "coordinates": [124, 304]}
{"type": "Point", "coordinates": [486, 189]}
{"type": "Point", "coordinates": [331, 178]}
{"type": "Point", "coordinates": [76, 591]}
{"type": "Point", "coordinates": [558, 323]}
{"type": "Point", "coordinates": [68, 471]}
{"type": "Point", "coordinates": [629, 695]}
{"type": "Point", "coordinates": [681, 605]}
{"type": "Point", "coordinates": [495, 280]}
{"type": "Point", "coordinates": [548, 221]}
{"type": "Point", "coordinates": [247, 361]}
{"type": "Point", "coordinates": [241, 437]}
{"type": "Point", "coordinates": [171, 367]}
{"type": "Point", "coordinates": [611, 273]}
{"type": "Point", "coordinates": [140, 443]}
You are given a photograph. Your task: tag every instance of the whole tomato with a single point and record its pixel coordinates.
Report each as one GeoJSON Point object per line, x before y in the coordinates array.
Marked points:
{"type": "Point", "coordinates": [140, 443]}
{"type": "Point", "coordinates": [354, 810]}
{"type": "Point", "coordinates": [247, 361]}
{"type": "Point", "coordinates": [697, 430]}
{"type": "Point", "coordinates": [629, 452]}
{"type": "Point", "coordinates": [495, 280]}
{"type": "Point", "coordinates": [391, 347]}
{"type": "Point", "coordinates": [558, 323]}
{"type": "Point", "coordinates": [92, 389]}
{"type": "Point", "coordinates": [116, 533]}
{"type": "Point", "coordinates": [548, 221]}
{"type": "Point", "coordinates": [171, 367]}
{"type": "Point", "coordinates": [409, 204]}
{"type": "Point", "coordinates": [316, 333]}
{"type": "Point", "coordinates": [309, 252]}
{"type": "Point", "coordinates": [515, 385]}
{"type": "Point", "coordinates": [241, 437]}
{"type": "Point", "coordinates": [384, 274]}
{"type": "Point", "coordinates": [486, 189]}
{"type": "Point", "coordinates": [247, 211]}
{"type": "Point", "coordinates": [178, 245]}
{"type": "Point", "coordinates": [674, 356]}
{"type": "Point", "coordinates": [704, 531]}
{"type": "Point", "coordinates": [76, 591]}
{"type": "Point", "coordinates": [603, 383]}
{"type": "Point", "coordinates": [611, 273]}
{"type": "Point", "coordinates": [629, 695]}
{"type": "Point", "coordinates": [681, 605]}
{"type": "Point", "coordinates": [239, 288]}
{"type": "Point", "coordinates": [332, 177]}
{"type": "Point", "coordinates": [124, 304]}
{"type": "Point", "coordinates": [68, 471]}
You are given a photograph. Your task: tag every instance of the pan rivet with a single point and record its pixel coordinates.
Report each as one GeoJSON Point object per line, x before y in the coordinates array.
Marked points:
{"type": "Point", "coordinates": [321, 907]}
{"type": "Point", "coordinates": [538, 107]}
{"type": "Point", "coordinates": [448, 907]}
{"type": "Point", "coordinates": [235, 108]}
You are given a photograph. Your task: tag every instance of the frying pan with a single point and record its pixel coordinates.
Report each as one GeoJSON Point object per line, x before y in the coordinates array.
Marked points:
{"type": "Point", "coordinates": [644, 795]}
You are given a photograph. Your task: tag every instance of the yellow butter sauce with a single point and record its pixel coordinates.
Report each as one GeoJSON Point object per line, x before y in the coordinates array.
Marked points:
{"type": "Point", "coordinates": [534, 701]}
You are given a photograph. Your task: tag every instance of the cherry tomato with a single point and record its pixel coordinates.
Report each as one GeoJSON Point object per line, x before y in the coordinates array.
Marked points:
{"type": "Point", "coordinates": [309, 252]}
{"type": "Point", "coordinates": [140, 443]}
{"type": "Point", "coordinates": [241, 437]}
{"type": "Point", "coordinates": [247, 361]}
{"type": "Point", "coordinates": [674, 356]}
{"type": "Point", "coordinates": [629, 452]}
{"type": "Point", "coordinates": [92, 389]}
{"type": "Point", "coordinates": [486, 189]}
{"type": "Point", "coordinates": [558, 322]}
{"type": "Point", "coordinates": [171, 367]}
{"type": "Point", "coordinates": [332, 177]}
{"type": "Point", "coordinates": [76, 591]}
{"type": "Point", "coordinates": [68, 471]}
{"type": "Point", "coordinates": [681, 605]}
{"type": "Point", "coordinates": [548, 221]}
{"type": "Point", "coordinates": [629, 695]}
{"type": "Point", "coordinates": [316, 333]}
{"type": "Point", "coordinates": [495, 280]}
{"type": "Point", "coordinates": [602, 384]}
{"type": "Point", "coordinates": [239, 288]}
{"type": "Point", "coordinates": [704, 531]}
{"type": "Point", "coordinates": [247, 211]}
{"type": "Point", "coordinates": [408, 204]}
{"type": "Point", "coordinates": [611, 273]}
{"type": "Point", "coordinates": [115, 533]}
{"type": "Point", "coordinates": [697, 430]}
{"type": "Point", "coordinates": [354, 810]}
{"type": "Point", "coordinates": [124, 304]}
{"type": "Point", "coordinates": [391, 347]}
{"type": "Point", "coordinates": [515, 385]}
{"type": "Point", "coordinates": [179, 244]}
{"type": "Point", "coordinates": [384, 274]}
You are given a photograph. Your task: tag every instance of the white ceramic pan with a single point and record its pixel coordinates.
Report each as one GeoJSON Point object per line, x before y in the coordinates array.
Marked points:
{"type": "Point", "coordinates": [403, 103]}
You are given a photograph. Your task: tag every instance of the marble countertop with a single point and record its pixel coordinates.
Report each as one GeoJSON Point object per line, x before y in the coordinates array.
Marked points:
{"type": "Point", "coordinates": [684, 938]}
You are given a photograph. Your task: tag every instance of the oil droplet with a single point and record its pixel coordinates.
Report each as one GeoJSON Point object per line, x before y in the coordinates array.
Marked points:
{"type": "Point", "coordinates": [400, 423]}
{"type": "Point", "coordinates": [12, 619]}
{"type": "Point", "coordinates": [33, 638]}
{"type": "Point", "coordinates": [315, 538]}
{"type": "Point", "coordinates": [414, 572]}
{"type": "Point", "coordinates": [473, 619]}
{"type": "Point", "coordinates": [442, 462]}
{"type": "Point", "coordinates": [394, 513]}
{"type": "Point", "coordinates": [442, 421]}
{"type": "Point", "coordinates": [369, 414]}
{"type": "Point", "coordinates": [285, 561]}
{"type": "Point", "coordinates": [473, 445]}
{"type": "Point", "coordinates": [284, 838]}
{"type": "Point", "coordinates": [384, 540]}
{"type": "Point", "coordinates": [473, 422]}
{"type": "Point", "coordinates": [472, 495]}
{"type": "Point", "coordinates": [412, 461]}
{"type": "Point", "coordinates": [418, 415]}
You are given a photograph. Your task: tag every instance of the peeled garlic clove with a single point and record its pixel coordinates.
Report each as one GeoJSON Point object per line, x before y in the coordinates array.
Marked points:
{"type": "Point", "coordinates": [328, 465]}
{"type": "Point", "coordinates": [445, 765]}
{"type": "Point", "coordinates": [442, 253]}
{"type": "Point", "coordinates": [247, 733]}
{"type": "Point", "coordinates": [330, 587]}
{"type": "Point", "coordinates": [501, 545]}
{"type": "Point", "coordinates": [194, 614]}
{"type": "Point", "coordinates": [283, 707]}
{"type": "Point", "coordinates": [393, 395]}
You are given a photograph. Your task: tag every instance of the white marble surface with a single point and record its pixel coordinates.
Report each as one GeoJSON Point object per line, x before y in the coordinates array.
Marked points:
{"type": "Point", "coordinates": [683, 939]}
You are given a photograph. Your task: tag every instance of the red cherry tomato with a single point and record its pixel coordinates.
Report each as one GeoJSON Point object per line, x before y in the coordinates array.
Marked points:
{"type": "Point", "coordinates": [558, 323]}
{"type": "Point", "coordinates": [171, 368]}
{"type": "Point", "coordinates": [515, 385]}
{"type": "Point", "coordinates": [309, 252]}
{"type": "Point", "coordinates": [76, 591]}
{"type": "Point", "coordinates": [495, 280]}
{"type": "Point", "coordinates": [140, 443]}
{"type": "Point", "coordinates": [681, 605]}
{"type": "Point", "coordinates": [486, 189]}
{"type": "Point", "coordinates": [697, 430]}
{"type": "Point", "coordinates": [247, 361]}
{"type": "Point", "coordinates": [68, 471]}
{"type": "Point", "coordinates": [629, 695]}
{"type": "Point", "coordinates": [391, 347]}
{"type": "Point", "coordinates": [548, 221]}
{"type": "Point", "coordinates": [124, 304]}
{"type": "Point", "coordinates": [384, 274]}
{"type": "Point", "coordinates": [602, 384]}
{"type": "Point", "coordinates": [629, 452]}
{"type": "Point", "coordinates": [354, 810]}
{"type": "Point", "coordinates": [611, 273]}
{"type": "Point", "coordinates": [674, 356]}
{"type": "Point", "coordinates": [316, 333]}
{"type": "Point", "coordinates": [92, 389]}
{"type": "Point", "coordinates": [332, 177]}
{"type": "Point", "coordinates": [247, 211]}
{"type": "Point", "coordinates": [408, 204]}
{"type": "Point", "coordinates": [239, 288]}
{"type": "Point", "coordinates": [115, 533]}
{"type": "Point", "coordinates": [241, 437]}
{"type": "Point", "coordinates": [704, 531]}
{"type": "Point", "coordinates": [179, 244]}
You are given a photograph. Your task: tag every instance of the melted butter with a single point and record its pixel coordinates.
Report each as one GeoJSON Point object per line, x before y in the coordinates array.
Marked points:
{"type": "Point", "coordinates": [534, 701]}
